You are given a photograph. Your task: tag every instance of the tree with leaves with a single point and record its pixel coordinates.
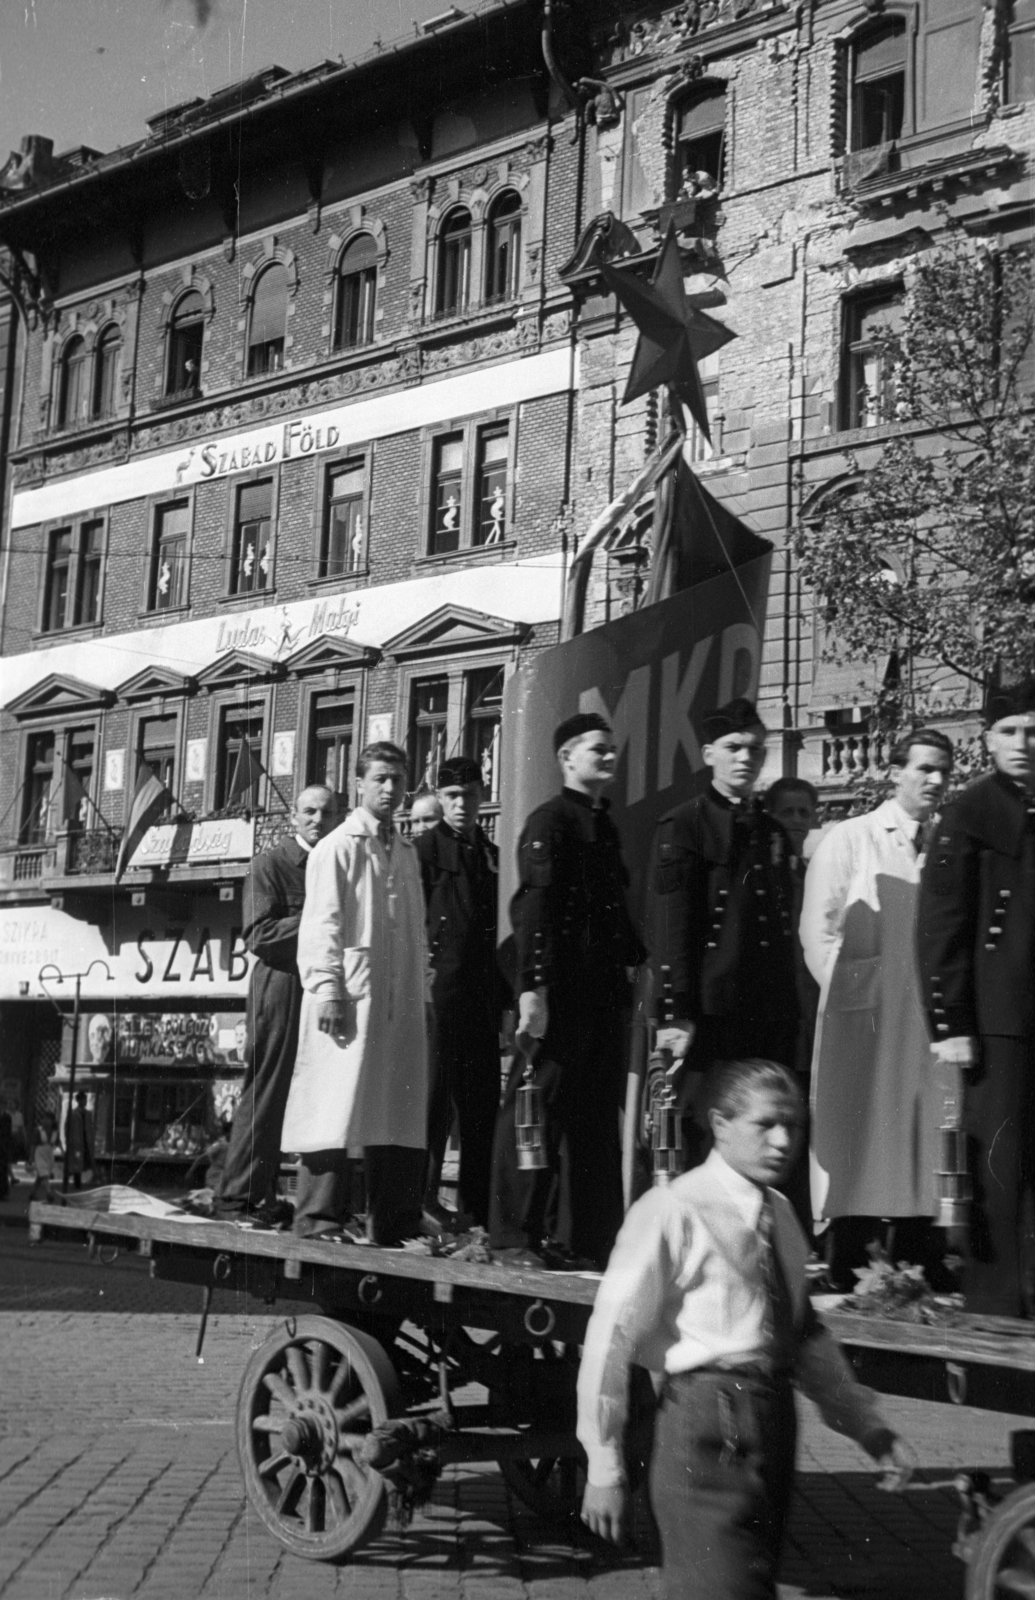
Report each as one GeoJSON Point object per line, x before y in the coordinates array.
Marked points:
{"type": "Point", "coordinates": [927, 557]}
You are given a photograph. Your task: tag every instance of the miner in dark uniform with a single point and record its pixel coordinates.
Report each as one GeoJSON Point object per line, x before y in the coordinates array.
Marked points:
{"type": "Point", "coordinates": [976, 935]}
{"type": "Point", "coordinates": [459, 870]}
{"type": "Point", "coordinates": [576, 949]}
{"type": "Point", "coordinates": [272, 899]}
{"type": "Point", "coordinates": [720, 920]}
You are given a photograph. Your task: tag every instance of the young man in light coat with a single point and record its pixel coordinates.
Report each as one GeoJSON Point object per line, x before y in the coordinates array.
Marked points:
{"type": "Point", "coordinates": [361, 1076]}
{"type": "Point", "coordinates": [876, 1096]}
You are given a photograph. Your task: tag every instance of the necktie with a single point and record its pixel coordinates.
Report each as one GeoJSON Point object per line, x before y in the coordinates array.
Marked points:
{"type": "Point", "coordinates": [384, 833]}
{"type": "Point", "coordinates": [779, 1312]}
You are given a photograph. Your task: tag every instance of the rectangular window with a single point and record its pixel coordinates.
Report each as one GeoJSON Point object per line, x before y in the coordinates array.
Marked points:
{"type": "Point", "coordinates": [79, 757]}
{"type": "Point", "coordinates": [448, 493]}
{"type": "Point", "coordinates": [156, 744]}
{"type": "Point", "coordinates": [72, 583]}
{"type": "Point", "coordinates": [88, 582]}
{"type": "Point", "coordinates": [700, 449]}
{"type": "Point", "coordinates": [493, 452]}
{"type": "Point", "coordinates": [879, 85]}
{"type": "Point", "coordinates": [483, 714]}
{"type": "Point", "coordinates": [59, 568]}
{"type": "Point", "coordinates": [701, 139]}
{"type": "Point", "coordinates": [239, 725]}
{"type": "Point", "coordinates": [39, 779]}
{"type": "Point", "coordinates": [167, 589]}
{"type": "Point", "coordinates": [252, 558]}
{"type": "Point", "coordinates": [867, 383]}
{"type": "Point", "coordinates": [345, 548]}
{"type": "Point", "coordinates": [429, 710]}
{"type": "Point", "coordinates": [1020, 64]}
{"type": "Point", "coordinates": [331, 742]}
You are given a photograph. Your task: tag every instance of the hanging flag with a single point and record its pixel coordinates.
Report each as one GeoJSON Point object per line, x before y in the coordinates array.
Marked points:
{"type": "Point", "coordinates": [247, 772]}
{"type": "Point", "coordinates": [674, 335]}
{"type": "Point", "coordinates": [150, 798]}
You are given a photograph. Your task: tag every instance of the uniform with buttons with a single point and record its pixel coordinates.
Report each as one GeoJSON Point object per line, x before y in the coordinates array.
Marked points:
{"type": "Point", "coordinates": [976, 941]}
{"type": "Point", "coordinates": [721, 933]}
{"type": "Point", "coordinates": [573, 936]}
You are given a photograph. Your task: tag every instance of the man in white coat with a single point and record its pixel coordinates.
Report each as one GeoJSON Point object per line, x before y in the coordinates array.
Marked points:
{"type": "Point", "coordinates": [876, 1094]}
{"type": "Point", "coordinates": [361, 1075]}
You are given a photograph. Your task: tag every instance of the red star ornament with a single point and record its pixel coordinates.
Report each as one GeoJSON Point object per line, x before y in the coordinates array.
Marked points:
{"type": "Point", "coordinates": [674, 335]}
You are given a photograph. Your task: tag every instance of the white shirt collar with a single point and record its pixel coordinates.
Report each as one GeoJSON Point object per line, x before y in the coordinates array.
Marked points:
{"type": "Point", "coordinates": [306, 847]}
{"type": "Point", "coordinates": [747, 1196]}
{"type": "Point", "coordinates": [893, 816]}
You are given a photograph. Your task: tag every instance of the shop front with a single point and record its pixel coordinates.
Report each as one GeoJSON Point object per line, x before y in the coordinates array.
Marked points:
{"type": "Point", "coordinates": [159, 1047]}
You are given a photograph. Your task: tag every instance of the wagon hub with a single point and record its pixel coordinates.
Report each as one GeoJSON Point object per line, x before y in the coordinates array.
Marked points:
{"type": "Point", "coordinates": [311, 1433]}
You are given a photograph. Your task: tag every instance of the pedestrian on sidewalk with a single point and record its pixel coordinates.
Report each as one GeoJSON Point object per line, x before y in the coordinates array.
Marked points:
{"type": "Point", "coordinates": [79, 1141]}
{"type": "Point", "coordinates": [44, 1157]}
{"type": "Point", "coordinates": [706, 1285]}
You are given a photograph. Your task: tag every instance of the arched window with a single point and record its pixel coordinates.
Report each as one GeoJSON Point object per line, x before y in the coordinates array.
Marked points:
{"type": "Point", "coordinates": [454, 263]}
{"type": "Point", "coordinates": [186, 336]}
{"type": "Point", "coordinates": [504, 246]}
{"type": "Point", "coordinates": [268, 326]}
{"type": "Point", "coordinates": [73, 382]}
{"type": "Point", "coordinates": [107, 360]}
{"type": "Point", "coordinates": [878, 84]}
{"type": "Point", "coordinates": [357, 294]}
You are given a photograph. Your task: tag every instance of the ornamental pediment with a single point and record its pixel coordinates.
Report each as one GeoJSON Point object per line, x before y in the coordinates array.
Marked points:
{"type": "Point", "coordinates": [331, 655]}
{"type": "Point", "coordinates": [59, 693]}
{"type": "Point", "coordinates": [238, 666]}
{"type": "Point", "coordinates": [155, 683]}
{"type": "Point", "coordinates": [455, 628]}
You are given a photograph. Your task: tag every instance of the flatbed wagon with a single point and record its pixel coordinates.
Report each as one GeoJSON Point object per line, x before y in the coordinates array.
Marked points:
{"type": "Point", "coordinates": [410, 1361]}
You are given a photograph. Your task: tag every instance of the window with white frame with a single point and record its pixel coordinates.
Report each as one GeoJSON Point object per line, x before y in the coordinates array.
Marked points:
{"type": "Point", "coordinates": [503, 247]}
{"type": "Point", "coordinates": [454, 264]}
{"type": "Point", "coordinates": [866, 389]}
{"type": "Point", "coordinates": [454, 709]}
{"type": "Point", "coordinates": [343, 549]}
{"type": "Point", "coordinates": [72, 386]}
{"type": "Point", "coordinates": [470, 498]}
{"type": "Point", "coordinates": [107, 362]}
{"type": "Point", "coordinates": [251, 557]}
{"type": "Point", "coordinates": [167, 581]}
{"type": "Point", "coordinates": [267, 324]}
{"type": "Point", "coordinates": [37, 787]}
{"type": "Point", "coordinates": [356, 297]}
{"type": "Point", "coordinates": [72, 580]}
{"type": "Point", "coordinates": [186, 341]}
{"type": "Point", "coordinates": [332, 737]}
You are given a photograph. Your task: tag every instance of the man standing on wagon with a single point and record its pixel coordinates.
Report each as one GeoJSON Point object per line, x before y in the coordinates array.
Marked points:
{"type": "Point", "coordinates": [361, 1077]}
{"type": "Point", "coordinates": [575, 948]}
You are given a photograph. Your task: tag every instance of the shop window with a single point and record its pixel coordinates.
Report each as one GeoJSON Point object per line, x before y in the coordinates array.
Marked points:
{"type": "Point", "coordinates": [701, 139]}
{"type": "Point", "coordinates": [156, 744]}
{"type": "Point", "coordinates": [107, 362]}
{"type": "Point", "coordinates": [239, 724]}
{"type": "Point", "coordinates": [167, 585]}
{"type": "Point", "coordinates": [493, 454]}
{"type": "Point", "coordinates": [357, 294]}
{"type": "Point", "coordinates": [74, 571]}
{"type": "Point", "coordinates": [39, 780]}
{"type": "Point", "coordinates": [344, 549]}
{"type": "Point", "coordinates": [878, 84]}
{"type": "Point", "coordinates": [454, 264]}
{"type": "Point", "coordinates": [186, 338]}
{"type": "Point", "coordinates": [252, 556]}
{"type": "Point", "coordinates": [504, 244]}
{"type": "Point", "coordinates": [267, 325]}
{"type": "Point", "coordinates": [72, 397]}
{"type": "Point", "coordinates": [79, 751]}
{"type": "Point", "coordinates": [483, 715]}
{"type": "Point", "coordinates": [429, 715]}
{"type": "Point", "coordinates": [866, 396]}
{"type": "Point", "coordinates": [448, 472]}
{"type": "Point", "coordinates": [331, 743]}
{"type": "Point", "coordinates": [1020, 59]}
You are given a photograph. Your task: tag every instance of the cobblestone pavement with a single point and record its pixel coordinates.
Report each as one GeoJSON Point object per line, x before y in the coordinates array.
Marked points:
{"type": "Point", "coordinates": [118, 1479]}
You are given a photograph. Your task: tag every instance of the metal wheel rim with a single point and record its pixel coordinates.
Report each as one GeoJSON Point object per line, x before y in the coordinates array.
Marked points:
{"type": "Point", "coordinates": [1003, 1564]}
{"type": "Point", "coordinates": [309, 1396]}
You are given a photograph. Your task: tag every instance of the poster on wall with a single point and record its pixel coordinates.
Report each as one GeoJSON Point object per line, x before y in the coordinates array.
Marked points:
{"type": "Point", "coordinates": [189, 1039]}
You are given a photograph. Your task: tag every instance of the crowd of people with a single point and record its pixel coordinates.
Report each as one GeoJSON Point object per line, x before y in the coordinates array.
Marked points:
{"type": "Point", "coordinates": [870, 992]}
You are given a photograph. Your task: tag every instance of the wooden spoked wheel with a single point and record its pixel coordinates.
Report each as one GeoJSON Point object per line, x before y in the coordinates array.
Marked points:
{"type": "Point", "coordinates": [308, 1398]}
{"type": "Point", "coordinates": [1002, 1565]}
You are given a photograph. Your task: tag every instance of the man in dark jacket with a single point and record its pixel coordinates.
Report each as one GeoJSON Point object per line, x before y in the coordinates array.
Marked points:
{"type": "Point", "coordinates": [575, 950]}
{"type": "Point", "coordinates": [976, 934]}
{"type": "Point", "coordinates": [272, 898]}
{"type": "Point", "coordinates": [720, 920]}
{"type": "Point", "coordinates": [459, 870]}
